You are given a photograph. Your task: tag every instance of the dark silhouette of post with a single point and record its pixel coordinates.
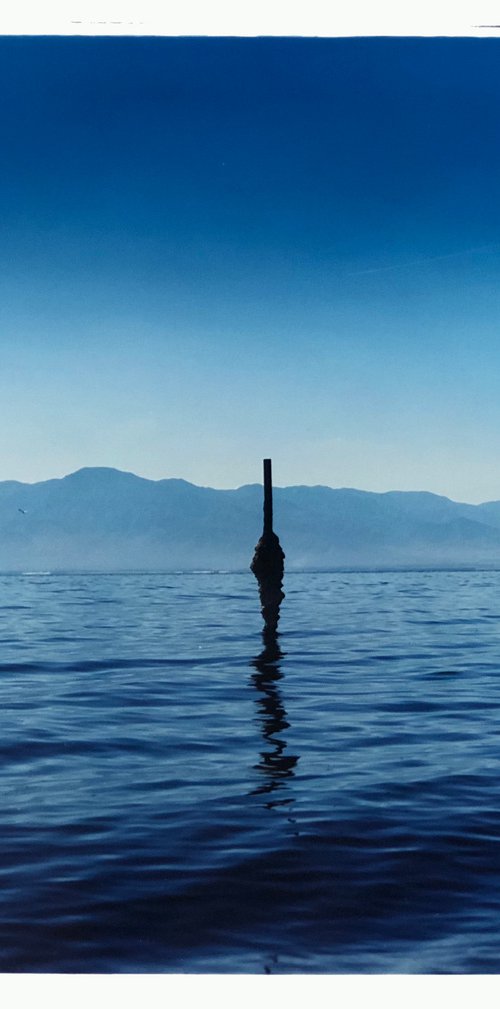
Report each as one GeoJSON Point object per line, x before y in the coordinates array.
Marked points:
{"type": "Point", "coordinates": [268, 498]}
{"type": "Point", "coordinates": [268, 560]}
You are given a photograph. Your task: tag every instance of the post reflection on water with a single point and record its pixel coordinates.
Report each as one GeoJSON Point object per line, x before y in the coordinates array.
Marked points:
{"type": "Point", "coordinates": [275, 764]}
{"type": "Point", "coordinates": [268, 566]}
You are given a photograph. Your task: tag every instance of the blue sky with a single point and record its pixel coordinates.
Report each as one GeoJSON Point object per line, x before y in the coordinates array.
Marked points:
{"type": "Point", "coordinates": [214, 250]}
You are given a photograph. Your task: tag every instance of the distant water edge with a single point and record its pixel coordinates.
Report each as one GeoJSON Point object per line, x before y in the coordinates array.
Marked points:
{"type": "Point", "coordinates": [289, 570]}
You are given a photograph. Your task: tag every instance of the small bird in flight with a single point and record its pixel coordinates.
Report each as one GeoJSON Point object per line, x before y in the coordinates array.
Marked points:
{"type": "Point", "coordinates": [23, 512]}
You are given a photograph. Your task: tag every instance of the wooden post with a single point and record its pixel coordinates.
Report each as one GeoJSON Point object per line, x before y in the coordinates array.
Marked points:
{"type": "Point", "coordinates": [268, 560]}
{"type": "Point", "coordinates": [268, 498]}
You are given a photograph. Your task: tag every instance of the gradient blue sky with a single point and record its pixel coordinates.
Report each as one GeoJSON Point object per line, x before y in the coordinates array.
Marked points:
{"type": "Point", "coordinates": [214, 250]}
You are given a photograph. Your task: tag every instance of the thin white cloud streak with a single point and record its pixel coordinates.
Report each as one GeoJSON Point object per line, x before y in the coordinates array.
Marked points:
{"type": "Point", "coordinates": [476, 250]}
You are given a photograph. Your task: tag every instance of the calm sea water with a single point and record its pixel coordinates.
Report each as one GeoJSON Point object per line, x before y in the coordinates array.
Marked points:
{"type": "Point", "coordinates": [176, 796]}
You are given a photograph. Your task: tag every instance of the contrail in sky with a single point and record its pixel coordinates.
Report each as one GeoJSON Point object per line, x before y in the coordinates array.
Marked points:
{"type": "Point", "coordinates": [425, 259]}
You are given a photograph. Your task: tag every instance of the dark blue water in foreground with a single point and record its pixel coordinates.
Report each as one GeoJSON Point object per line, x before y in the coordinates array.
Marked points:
{"type": "Point", "coordinates": [174, 798]}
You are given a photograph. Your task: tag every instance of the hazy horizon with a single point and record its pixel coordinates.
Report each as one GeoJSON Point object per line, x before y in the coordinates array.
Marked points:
{"type": "Point", "coordinates": [219, 249]}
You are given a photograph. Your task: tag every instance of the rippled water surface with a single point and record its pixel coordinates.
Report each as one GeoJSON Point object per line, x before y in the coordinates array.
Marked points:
{"type": "Point", "coordinates": [179, 795]}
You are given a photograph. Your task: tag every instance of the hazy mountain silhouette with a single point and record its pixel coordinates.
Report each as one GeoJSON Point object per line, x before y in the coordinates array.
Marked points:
{"type": "Point", "coordinates": [104, 519]}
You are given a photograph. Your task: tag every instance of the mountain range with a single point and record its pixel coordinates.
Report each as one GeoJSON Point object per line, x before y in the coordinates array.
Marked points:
{"type": "Point", "coordinates": [103, 519]}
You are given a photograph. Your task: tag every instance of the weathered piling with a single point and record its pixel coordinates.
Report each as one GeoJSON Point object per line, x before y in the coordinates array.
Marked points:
{"type": "Point", "coordinates": [268, 560]}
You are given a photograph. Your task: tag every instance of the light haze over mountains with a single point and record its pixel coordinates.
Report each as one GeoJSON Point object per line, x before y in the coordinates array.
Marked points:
{"type": "Point", "coordinates": [103, 519]}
